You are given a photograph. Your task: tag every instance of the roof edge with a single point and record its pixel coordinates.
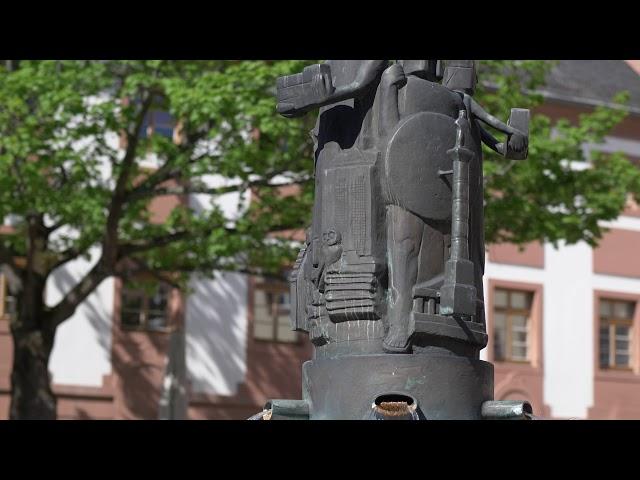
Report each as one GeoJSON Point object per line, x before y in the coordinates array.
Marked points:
{"type": "Point", "coordinates": [574, 100]}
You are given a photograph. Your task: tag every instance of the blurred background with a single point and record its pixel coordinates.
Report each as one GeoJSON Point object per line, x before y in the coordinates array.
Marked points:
{"type": "Point", "coordinates": [150, 212]}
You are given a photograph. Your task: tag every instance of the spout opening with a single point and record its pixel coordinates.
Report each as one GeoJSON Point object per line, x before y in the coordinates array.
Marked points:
{"type": "Point", "coordinates": [391, 405]}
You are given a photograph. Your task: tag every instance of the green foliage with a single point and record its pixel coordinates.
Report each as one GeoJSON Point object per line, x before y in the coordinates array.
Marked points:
{"type": "Point", "coordinates": [59, 128]}
{"type": "Point", "coordinates": [59, 123]}
{"type": "Point", "coordinates": [545, 197]}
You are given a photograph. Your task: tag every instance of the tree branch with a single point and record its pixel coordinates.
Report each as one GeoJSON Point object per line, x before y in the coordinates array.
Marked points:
{"type": "Point", "coordinates": [68, 255]}
{"type": "Point", "coordinates": [143, 267]}
{"type": "Point", "coordinates": [139, 194]}
{"type": "Point", "coordinates": [106, 265]}
{"type": "Point", "coordinates": [128, 249]}
{"type": "Point", "coordinates": [110, 244]}
{"type": "Point", "coordinates": [166, 171]}
{"type": "Point", "coordinates": [67, 306]}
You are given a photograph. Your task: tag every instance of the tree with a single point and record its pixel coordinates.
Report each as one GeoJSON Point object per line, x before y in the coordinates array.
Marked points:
{"type": "Point", "coordinates": [545, 197]}
{"type": "Point", "coordinates": [72, 193]}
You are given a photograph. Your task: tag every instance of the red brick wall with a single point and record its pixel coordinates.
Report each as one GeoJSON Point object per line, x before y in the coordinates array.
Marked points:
{"type": "Point", "coordinates": [617, 253]}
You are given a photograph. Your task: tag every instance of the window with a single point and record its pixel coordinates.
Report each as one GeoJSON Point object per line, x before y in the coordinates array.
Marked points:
{"type": "Point", "coordinates": [271, 308]}
{"type": "Point", "coordinates": [7, 301]}
{"type": "Point", "coordinates": [157, 120]}
{"type": "Point", "coordinates": [511, 323]}
{"type": "Point", "coordinates": [145, 306]}
{"type": "Point", "coordinates": [616, 319]}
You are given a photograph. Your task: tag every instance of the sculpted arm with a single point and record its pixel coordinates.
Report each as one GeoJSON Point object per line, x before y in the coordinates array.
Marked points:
{"type": "Point", "coordinates": [367, 73]}
{"type": "Point", "coordinates": [314, 87]}
{"type": "Point", "coordinates": [517, 144]}
{"type": "Point", "coordinates": [491, 141]}
{"type": "Point", "coordinates": [490, 120]}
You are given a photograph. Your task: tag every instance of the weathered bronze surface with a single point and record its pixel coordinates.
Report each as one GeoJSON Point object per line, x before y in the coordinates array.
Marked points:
{"type": "Point", "coordinates": [393, 262]}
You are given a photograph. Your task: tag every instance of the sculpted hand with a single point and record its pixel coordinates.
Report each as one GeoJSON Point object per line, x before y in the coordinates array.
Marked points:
{"type": "Point", "coordinates": [394, 75]}
{"type": "Point", "coordinates": [289, 90]}
{"type": "Point", "coordinates": [301, 92]}
{"type": "Point", "coordinates": [518, 142]}
{"type": "Point", "coordinates": [321, 86]}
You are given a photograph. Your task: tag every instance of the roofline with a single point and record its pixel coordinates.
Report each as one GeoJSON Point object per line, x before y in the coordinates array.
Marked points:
{"type": "Point", "coordinates": [585, 101]}
{"type": "Point", "coordinates": [574, 100]}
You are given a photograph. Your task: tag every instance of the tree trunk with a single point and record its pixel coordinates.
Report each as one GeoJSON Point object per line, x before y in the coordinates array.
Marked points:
{"type": "Point", "coordinates": [31, 394]}
{"type": "Point", "coordinates": [33, 333]}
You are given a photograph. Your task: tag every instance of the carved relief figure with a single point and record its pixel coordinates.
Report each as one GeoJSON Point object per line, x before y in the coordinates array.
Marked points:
{"type": "Point", "coordinates": [394, 258]}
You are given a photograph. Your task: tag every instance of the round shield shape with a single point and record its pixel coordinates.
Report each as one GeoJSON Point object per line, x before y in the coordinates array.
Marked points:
{"type": "Point", "coordinates": [416, 165]}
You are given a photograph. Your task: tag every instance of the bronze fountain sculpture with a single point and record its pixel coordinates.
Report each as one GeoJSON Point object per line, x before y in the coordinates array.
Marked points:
{"type": "Point", "coordinates": [389, 282]}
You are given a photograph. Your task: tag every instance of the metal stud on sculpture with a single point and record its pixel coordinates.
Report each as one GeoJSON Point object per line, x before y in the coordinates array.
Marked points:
{"type": "Point", "coordinates": [389, 282]}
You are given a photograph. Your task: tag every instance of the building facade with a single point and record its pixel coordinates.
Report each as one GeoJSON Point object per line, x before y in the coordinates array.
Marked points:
{"type": "Point", "coordinates": [564, 324]}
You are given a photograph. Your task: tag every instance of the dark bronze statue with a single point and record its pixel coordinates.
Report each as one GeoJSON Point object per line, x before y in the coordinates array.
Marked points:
{"type": "Point", "coordinates": [390, 277]}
